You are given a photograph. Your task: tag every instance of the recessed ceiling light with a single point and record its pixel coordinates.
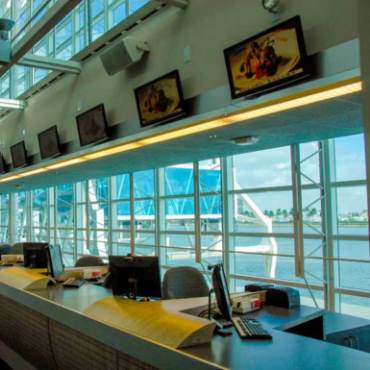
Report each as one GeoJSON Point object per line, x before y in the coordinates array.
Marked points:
{"type": "Point", "coordinates": [245, 140]}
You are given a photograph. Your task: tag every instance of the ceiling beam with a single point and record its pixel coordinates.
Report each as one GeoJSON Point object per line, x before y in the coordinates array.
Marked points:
{"type": "Point", "coordinates": [177, 3]}
{"type": "Point", "coordinates": [36, 61]}
{"type": "Point", "coordinates": [55, 14]}
{"type": "Point", "coordinates": [12, 104]}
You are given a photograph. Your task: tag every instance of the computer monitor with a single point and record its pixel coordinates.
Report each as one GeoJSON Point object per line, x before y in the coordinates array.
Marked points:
{"type": "Point", "coordinates": [134, 276]}
{"type": "Point", "coordinates": [35, 255]}
{"type": "Point", "coordinates": [92, 126]}
{"type": "Point", "coordinates": [3, 166]}
{"type": "Point", "coordinates": [55, 260]}
{"type": "Point", "coordinates": [222, 292]}
{"type": "Point", "coordinates": [19, 155]}
{"type": "Point", "coordinates": [49, 143]}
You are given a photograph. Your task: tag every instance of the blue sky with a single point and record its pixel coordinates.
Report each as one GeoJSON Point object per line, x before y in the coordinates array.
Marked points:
{"type": "Point", "coordinates": [271, 167]}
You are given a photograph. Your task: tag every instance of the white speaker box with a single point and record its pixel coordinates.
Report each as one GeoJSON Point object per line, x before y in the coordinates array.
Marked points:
{"type": "Point", "coordinates": [122, 54]}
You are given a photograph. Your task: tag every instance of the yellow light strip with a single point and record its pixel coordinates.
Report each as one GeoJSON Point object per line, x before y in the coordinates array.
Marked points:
{"type": "Point", "coordinates": [10, 178]}
{"type": "Point", "coordinates": [33, 172]}
{"type": "Point", "coordinates": [114, 150]}
{"type": "Point", "coordinates": [279, 105]}
{"type": "Point", "coordinates": [69, 162]}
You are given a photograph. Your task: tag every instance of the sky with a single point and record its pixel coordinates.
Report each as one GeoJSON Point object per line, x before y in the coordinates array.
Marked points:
{"type": "Point", "coordinates": [272, 167]}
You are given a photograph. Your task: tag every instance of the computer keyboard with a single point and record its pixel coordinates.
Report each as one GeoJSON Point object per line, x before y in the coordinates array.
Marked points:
{"type": "Point", "coordinates": [73, 283]}
{"type": "Point", "coordinates": [249, 328]}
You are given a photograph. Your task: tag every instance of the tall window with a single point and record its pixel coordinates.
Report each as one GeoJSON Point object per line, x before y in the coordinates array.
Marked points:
{"type": "Point", "coordinates": [264, 214]}
{"type": "Point", "coordinates": [350, 222]}
{"type": "Point", "coordinates": [261, 220]}
{"type": "Point", "coordinates": [121, 215]}
{"type": "Point", "coordinates": [177, 221]}
{"type": "Point", "coordinates": [144, 212]}
{"type": "Point", "coordinates": [39, 215]}
{"type": "Point", "coordinates": [4, 218]}
{"type": "Point", "coordinates": [65, 220]}
{"type": "Point", "coordinates": [86, 22]}
{"type": "Point", "coordinates": [98, 210]}
{"type": "Point", "coordinates": [20, 217]}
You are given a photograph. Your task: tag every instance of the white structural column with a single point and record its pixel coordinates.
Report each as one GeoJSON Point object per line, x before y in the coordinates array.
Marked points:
{"type": "Point", "coordinates": [364, 32]}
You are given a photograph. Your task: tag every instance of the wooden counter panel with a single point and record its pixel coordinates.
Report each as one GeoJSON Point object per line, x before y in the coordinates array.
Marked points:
{"type": "Point", "coordinates": [26, 331]}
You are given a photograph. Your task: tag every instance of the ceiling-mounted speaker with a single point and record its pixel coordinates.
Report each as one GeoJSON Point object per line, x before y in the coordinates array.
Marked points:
{"type": "Point", "coordinates": [122, 54]}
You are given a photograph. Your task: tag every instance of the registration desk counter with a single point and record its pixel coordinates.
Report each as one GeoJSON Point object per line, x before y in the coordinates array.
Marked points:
{"type": "Point", "coordinates": [56, 328]}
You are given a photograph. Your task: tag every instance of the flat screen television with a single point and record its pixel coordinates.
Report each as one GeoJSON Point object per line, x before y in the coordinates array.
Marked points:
{"type": "Point", "coordinates": [19, 155]}
{"type": "Point", "coordinates": [3, 166]}
{"type": "Point", "coordinates": [160, 100]}
{"type": "Point", "coordinates": [269, 60]}
{"type": "Point", "coordinates": [49, 143]}
{"type": "Point", "coordinates": [92, 126]}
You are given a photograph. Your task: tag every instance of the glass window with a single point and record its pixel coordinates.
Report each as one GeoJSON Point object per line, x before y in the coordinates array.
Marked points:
{"type": "Point", "coordinates": [179, 213]}
{"type": "Point", "coordinates": [21, 219]}
{"type": "Point", "coordinates": [265, 168]}
{"type": "Point", "coordinates": [350, 158]}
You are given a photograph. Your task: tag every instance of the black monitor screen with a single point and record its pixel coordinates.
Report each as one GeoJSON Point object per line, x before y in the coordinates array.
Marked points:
{"type": "Point", "coordinates": [92, 126]}
{"type": "Point", "coordinates": [135, 276]}
{"type": "Point", "coordinates": [35, 255]}
{"type": "Point", "coordinates": [49, 143]}
{"type": "Point", "coordinates": [19, 155]}
{"type": "Point", "coordinates": [56, 267]}
{"type": "Point", "coordinates": [3, 167]}
{"type": "Point", "coordinates": [222, 292]}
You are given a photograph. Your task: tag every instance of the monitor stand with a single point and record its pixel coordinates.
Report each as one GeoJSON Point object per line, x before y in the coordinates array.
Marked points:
{"type": "Point", "coordinates": [221, 323]}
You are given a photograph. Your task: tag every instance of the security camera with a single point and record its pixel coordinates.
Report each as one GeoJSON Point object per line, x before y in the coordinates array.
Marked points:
{"type": "Point", "coordinates": [5, 44]}
{"type": "Point", "coordinates": [5, 27]}
{"type": "Point", "coordinates": [6, 24]}
{"type": "Point", "coordinates": [271, 5]}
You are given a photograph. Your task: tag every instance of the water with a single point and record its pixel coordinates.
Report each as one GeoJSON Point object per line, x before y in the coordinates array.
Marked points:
{"type": "Point", "coordinates": [348, 275]}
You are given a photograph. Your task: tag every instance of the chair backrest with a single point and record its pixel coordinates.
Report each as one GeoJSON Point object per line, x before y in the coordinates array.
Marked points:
{"type": "Point", "coordinates": [184, 282]}
{"type": "Point", "coordinates": [17, 248]}
{"type": "Point", "coordinates": [5, 248]}
{"type": "Point", "coordinates": [86, 261]}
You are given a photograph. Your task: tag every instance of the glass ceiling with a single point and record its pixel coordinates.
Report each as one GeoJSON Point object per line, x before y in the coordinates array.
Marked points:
{"type": "Point", "coordinates": [87, 22]}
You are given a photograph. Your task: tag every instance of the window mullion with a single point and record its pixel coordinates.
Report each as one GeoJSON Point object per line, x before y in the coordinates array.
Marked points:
{"type": "Point", "coordinates": [327, 224]}
{"type": "Point", "coordinates": [197, 226]}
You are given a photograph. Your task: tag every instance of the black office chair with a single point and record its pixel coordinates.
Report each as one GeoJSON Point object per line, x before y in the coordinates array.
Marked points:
{"type": "Point", "coordinates": [17, 248]}
{"type": "Point", "coordinates": [184, 282]}
{"type": "Point", "coordinates": [5, 249]}
{"type": "Point", "coordinates": [87, 261]}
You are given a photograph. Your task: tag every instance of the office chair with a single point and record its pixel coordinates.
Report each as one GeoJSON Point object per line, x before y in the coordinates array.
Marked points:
{"type": "Point", "coordinates": [87, 261]}
{"type": "Point", "coordinates": [5, 249]}
{"type": "Point", "coordinates": [17, 248]}
{"type": "Point", "coordinates": [184, 282]}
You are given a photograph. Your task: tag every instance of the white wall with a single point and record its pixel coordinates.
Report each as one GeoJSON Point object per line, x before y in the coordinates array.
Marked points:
{"type": "Point", "coordinates": [207, 26]}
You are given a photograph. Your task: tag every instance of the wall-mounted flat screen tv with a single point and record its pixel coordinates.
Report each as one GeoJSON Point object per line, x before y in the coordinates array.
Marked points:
{"type": "Point", "coordinates": [19, 155]}
{"type": "Point", "coordinates": [92, 126]}
{"type": "Point", "coordinates": [268, 60]}
{"type": "Point", "coordinates": [49, 143]}
{"type": "Point", "coordinates": [3, 166]}
{"type": "Point", "coordinates": [160, 100]}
